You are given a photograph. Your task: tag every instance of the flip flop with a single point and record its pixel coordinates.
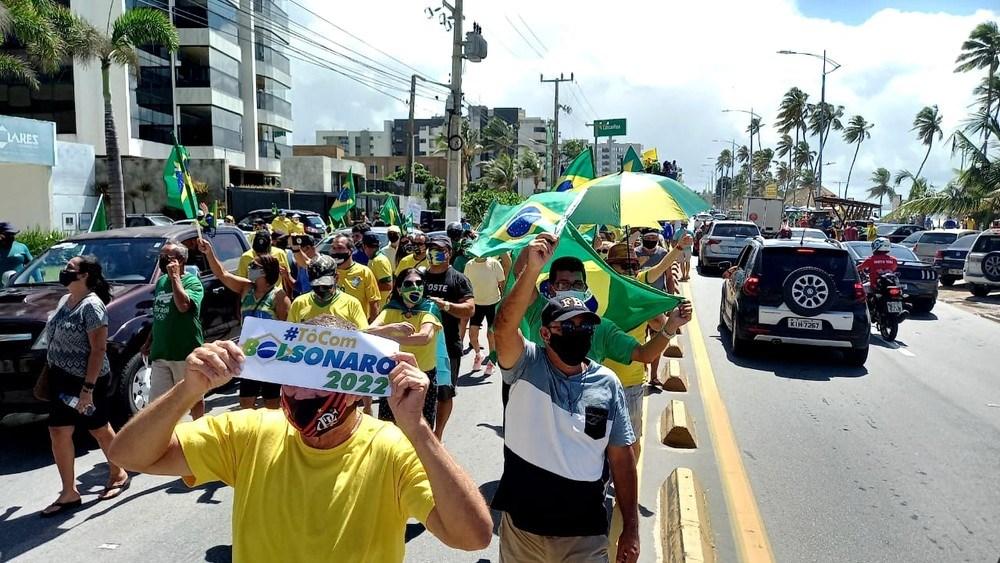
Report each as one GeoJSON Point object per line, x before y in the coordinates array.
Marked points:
{"type": "Point", "coordinates": [119, 488]}
{"type": "Point", "coordinates": [62, 507]}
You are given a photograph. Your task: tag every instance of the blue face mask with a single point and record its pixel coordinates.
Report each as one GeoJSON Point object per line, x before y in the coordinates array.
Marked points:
{"type": "Point", "coordinates": [437, 257]}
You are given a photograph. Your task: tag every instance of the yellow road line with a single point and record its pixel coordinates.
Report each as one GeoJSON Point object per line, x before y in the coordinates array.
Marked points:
{"type": "Point", "coordinates": [748, 526]}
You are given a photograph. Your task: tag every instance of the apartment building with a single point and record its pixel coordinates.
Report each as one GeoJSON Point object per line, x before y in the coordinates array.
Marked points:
{"type": "Point", "coordinates": [608, 156]}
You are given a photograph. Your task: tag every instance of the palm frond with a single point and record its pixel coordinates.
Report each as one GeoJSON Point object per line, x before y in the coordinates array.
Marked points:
{"type": "Point", "coordinates": [142, 26]}
{"type": "Point", "coordinates": [16, 70]}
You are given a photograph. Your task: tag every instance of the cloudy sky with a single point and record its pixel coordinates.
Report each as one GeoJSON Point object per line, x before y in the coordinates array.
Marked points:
{"type": "Point", "coordinates": [668, 67]}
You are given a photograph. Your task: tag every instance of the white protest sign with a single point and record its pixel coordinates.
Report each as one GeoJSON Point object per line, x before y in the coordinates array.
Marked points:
{"type": "Point", "coordinates": [317, 357]}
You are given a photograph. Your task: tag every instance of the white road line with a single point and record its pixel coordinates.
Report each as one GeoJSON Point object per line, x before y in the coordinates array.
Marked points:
{"type": "Point", "coordinates": [906, 353]}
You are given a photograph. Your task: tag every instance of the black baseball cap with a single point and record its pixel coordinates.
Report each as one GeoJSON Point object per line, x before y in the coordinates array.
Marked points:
{"type": "Point", "coordinates": [369, 239]}
{"type": "Point", "coordinates": [440, 240]}
{"type": "Point", "coordinates": [564, 308]}
{"type": "Point", "coordinates": [303, 240]}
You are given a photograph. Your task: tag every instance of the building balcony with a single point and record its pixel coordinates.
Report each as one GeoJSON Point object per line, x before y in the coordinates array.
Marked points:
{"type": "Point", "coordinates": [274, 104]}
{"type": "Point", "coordinates": [271, 149]}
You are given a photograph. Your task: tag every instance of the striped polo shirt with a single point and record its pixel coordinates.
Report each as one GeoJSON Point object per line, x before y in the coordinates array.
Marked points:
{"type": "Point", "coordinates": [556, 434]}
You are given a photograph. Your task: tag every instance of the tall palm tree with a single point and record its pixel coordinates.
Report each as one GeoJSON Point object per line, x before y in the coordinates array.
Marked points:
{"type": "Point", "coordinates": [919, 187]}
{"type": "Point", "coordinates": [803, 157]}
{"type": "Point", "coordinates": [134, 28]}
{"type": "Point", "coordinates": [824, 117]}
{"type": "Point", "coordinates": [472, 146]}
{"type": "Point", "coordinates": [793, 113]}
{"type": "Point", "coordinates": [856, 132]}
{"type": "Point", "coordinates": [742, 154]}
{"type": "Point", "coordinates": [880, 186]}
{"type": "Point", "coordinates": [498, 137]}
{"type": "Point", "coordinates": [501, 172]}
{"type": "Point", "coordinates": [724, 162]}
{"type": "Point", "coordinates": [530, 166]}
{"type": "Point", "coordinates": [982, 51]}
{"type": "Point", "coordinates": [927, 124]}
{"type": "Point", "coordinates": [754, 129]}
{"type": "Point", "coordinates": [49, 33]}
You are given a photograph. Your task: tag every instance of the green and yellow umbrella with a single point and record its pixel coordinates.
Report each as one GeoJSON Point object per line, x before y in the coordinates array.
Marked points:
{"type": "Point", "coordinates": [635, 199]}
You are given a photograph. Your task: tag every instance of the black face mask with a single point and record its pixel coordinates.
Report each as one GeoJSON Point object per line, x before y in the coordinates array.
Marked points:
{"type": "Point", "coordinates": [164, 260]}
{"type": "Point", "coordinates": [340, 257]}
{"type": "Point", "coordinates": [571, 348]}
{"type": "Point", "coordinates": [393, 237]}
{"type": "Point", "coordinates": [649, 244]}
{"type": "Point", "coordinates": [67, 277]}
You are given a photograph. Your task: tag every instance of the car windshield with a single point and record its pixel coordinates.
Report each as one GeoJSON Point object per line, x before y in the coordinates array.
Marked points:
{"type": "Point", "coordinates": [964, 243]}
{"type": "Point", "coordinates": [809, 234]}
{"type": "Point", "coordinates": [864, 250]}
{"type": "Point", "coordinates": [738, 231]}
{"type": "Point", "coordinates": [884, 230]}
{"type": "Point", "coordinates": [913, 238]}
{"type": "Point", "coordinates": [938, 238]}
{"type": "Point", "coordinates": [124, 260]}
{"type": "Point", "coordinates": [159, 220]}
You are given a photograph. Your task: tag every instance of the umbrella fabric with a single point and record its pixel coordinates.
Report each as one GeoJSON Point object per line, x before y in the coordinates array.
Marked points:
{"type": "Point", "coordinates": [635, 199]}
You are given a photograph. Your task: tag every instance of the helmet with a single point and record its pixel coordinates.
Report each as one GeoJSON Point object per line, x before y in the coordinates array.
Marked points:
{"type": "Point", "coordinates": [881, 244]}
{"type": "Point", "coordinates": [454, 230]}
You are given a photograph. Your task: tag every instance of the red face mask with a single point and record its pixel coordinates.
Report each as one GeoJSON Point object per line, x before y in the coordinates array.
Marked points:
{"type": "Point", "coordinates": [313, 412]}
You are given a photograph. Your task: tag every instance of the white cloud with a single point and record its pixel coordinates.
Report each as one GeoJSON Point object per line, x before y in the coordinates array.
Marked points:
{"type": "Point", "coordinates": [669, 68]}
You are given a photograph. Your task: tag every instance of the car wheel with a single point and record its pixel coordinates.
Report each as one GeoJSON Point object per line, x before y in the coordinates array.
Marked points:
{"type": "Point", "coordinates": [856, 356]}
{"type": "Point", "coordinates": [979, 290]}
{"type": "Point", "coordinates": [991, 266]}
{"type": "Point", "coordinates": [948, 281]}
{"type": "Point", "coordinates": [924, 306]}
{"type": "Point", "coordinates": [808, 291]}
{"type": "Point", "coordinates": [132, 392]}
{"type": "Point", "coordinates": [740, 346]}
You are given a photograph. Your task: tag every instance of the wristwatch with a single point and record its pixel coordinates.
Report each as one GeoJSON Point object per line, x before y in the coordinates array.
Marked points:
{"type": "Point", "coordinates": [663, 332]}
{"type": "Point", "coordinates": [447, 306]}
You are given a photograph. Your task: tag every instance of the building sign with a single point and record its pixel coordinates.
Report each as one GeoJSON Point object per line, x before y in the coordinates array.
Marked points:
{"type": "Point", "coordinates": [609, 127]}
{"type": "Point", "coordinates": [27, 141]}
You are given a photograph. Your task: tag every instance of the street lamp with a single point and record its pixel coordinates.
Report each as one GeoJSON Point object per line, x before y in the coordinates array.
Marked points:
{"type": "Point", "coordinates": [822, 99]}
{"type": "Point", "coordinates": [750, 156]}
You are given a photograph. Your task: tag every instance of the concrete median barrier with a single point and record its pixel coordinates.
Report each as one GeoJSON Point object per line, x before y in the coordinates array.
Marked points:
{"type": "Point", "coordinates": [677, 426]}
{"type": "Point", "coordinates": [671, 377]}
{"type": "Point", "coordinates": [685, 533]}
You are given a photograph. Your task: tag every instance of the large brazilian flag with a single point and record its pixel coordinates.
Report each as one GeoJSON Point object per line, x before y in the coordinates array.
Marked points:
{"type": "Point", "coordinates": [579, 172]}
{"type": "Point", "coordinates": [514, 227]}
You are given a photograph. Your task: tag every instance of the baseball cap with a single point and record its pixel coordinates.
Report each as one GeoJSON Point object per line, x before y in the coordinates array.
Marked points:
{"type": "Point", "coordinates": [322, 271]}
{"type": "Point", "coordinates": [7, 228]}
{"type": "Point", "coordinates": [394, 229]}
{"type": "Point", "coordinates": [303, 240]}
{"type": "Point", "coordinates": [562, 309]}
{"type": "Point", "coordinates": [369, 239]}
{"type": "Point", "coordinates": [440, 240]}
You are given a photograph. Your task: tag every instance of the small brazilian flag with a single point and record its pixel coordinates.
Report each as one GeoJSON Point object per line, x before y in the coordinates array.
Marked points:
{"type": "Point", "coordinates": [516, 227]}
{"type": "Point", "coordinates": [177, 181]}
{"type": "Point", "coordinates": [632, 162]}
{"type": "Point", "coordinates": [390, 213]}
{"type": "Point", "coordinates": [579, 172]}
{"type": "Point", "coordinates": [345, 200]}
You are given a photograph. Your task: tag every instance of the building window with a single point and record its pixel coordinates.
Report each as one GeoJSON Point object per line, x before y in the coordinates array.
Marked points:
{"type": "Point", "coordinates": [273, 142]}
{"type": "Point", "coordinates": [52, 101]}
{"type": "Point", "coordinates": [267, 49]}
{"type": "Point", "coordinates": [204, 67]}
{"type": "Point", "coordinates": [273, 96]}
{"type": "Point", "coordinates": [152, 97]}
{"type": "Point", "coordinates": [208, 126]}
{"type": "Point", "coordinates": [373, 169]}
{"type": "Point", "coordinates": [219, 15]}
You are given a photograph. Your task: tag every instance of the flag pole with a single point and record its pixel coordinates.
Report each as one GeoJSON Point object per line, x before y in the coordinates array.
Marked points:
{"type": "Point", "coordinates": [93, 218]}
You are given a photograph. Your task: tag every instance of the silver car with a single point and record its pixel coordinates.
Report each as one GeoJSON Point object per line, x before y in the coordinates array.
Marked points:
{"type": "Point", "coordinates": [982, 266]}
{"type": "Point", "coordinates": [925, 244]}
{"type": "Point", "coordinates": [723, 243]}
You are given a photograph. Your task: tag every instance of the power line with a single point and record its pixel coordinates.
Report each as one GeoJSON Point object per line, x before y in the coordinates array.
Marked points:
{"type": "Point", "coordinates": [584, 94]}
{"type": "Point", "coordinates": [528, 43]}
{"type": "Point", "coordinates": [544, 48]}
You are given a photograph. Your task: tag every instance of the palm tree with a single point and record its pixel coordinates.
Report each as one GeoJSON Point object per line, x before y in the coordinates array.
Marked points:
{"type": "Point", "coordinates": [724, 162]}
{"type": "Point", "coordinates": [793, 113]}
{"type": "Point", "coordinates": [501, 172]}
{"type": "Point", "coordinates": [982, 51]}
{"type": "Point", "coordinates": [927, 124]}
{"type": "Point", "coordinates": [880, 179]}
{"type": "Point", "coordinates": [803, 157]}
{"type": "Point", "coordinates": [472, 146]}
{"type": "Point", "coordinates": [754, 129]}
{"type": "Point", "coordinates": [530, 166]}
{"type": "Point", "coordinates": [571, 148]}
{"type": "Point", "coordinates": [742, 154]}
{"type": "Point", "coordinates": [135, 27]}
{"type": "Point", "coordinates": [857, 131]}
{"type": "Point", "coordinates": [498, 137]}
{"type": "Point", "coordinates": [822, 118]}
{"type": "Point", "coordinates": [919, 187]}
{"type": "Point", "coordinates": [49, 33]}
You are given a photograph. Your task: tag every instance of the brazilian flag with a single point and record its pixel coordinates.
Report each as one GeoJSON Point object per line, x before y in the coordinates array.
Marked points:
{"type": "Point", "coordinates": [515, 228]}
{"type": "Point", "coordinates": [345, 200]}
{"type": "Point", "coordinates": [390, 213]}
{"type": "Point", "coordinates": [579, 172]}
{"type": "Point", "coordinates": [632, 162]}
{"type": "Point", "coordinates": [177, 181]}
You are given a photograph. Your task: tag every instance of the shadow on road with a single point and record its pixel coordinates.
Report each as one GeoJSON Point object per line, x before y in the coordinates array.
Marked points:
{"type": "Point", "coordinates": [794, 362]}
{"type": "Point", "coordinates": [922, 317]}
{"type": "Point", "coordinates": [488, 489]}
{"type": "Point", "coordinates": [474, 379]}
{"type": "Point", "coordinates": [27, 447]}
{"type": "Point", "coordinates": [219, 554]}
{"type": "Point", "coordinates": [498, 430]}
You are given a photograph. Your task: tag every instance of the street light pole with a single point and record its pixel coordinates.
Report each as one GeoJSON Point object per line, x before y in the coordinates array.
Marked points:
{"type": "Point", "coordinates": [749, 156]}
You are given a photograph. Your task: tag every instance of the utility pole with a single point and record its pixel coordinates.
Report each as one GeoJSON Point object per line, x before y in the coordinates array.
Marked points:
{"type": "Point", "coordinates": [555, 125]}
{"type": "Point", "coordinates": [454, 180]}
{"type": "Point", "coordinates": [822, 138]}
{"type": "Point", "coordinates": [409, 138]}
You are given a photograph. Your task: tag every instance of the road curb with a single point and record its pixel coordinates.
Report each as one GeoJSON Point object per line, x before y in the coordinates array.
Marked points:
{"type": "Point", "coordinates": [677, 427]}
{"type": "Point", "coordinates": [671, 376]}
{"type": "Point", "coordinates": [685, 533]}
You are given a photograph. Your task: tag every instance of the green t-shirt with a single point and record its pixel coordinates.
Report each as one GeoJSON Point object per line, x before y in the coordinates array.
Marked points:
{"type": "Point", "coordinates": [176, 334]}
{"type": "Point", "coordinates": [609, 342]}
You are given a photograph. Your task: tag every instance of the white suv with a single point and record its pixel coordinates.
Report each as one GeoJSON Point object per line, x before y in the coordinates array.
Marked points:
{"type": "Point", "coordinates": [982, 266]}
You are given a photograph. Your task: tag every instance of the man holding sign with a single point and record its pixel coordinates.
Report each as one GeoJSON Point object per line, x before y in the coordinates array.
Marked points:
{"type": "Point", "coordinates": [318, 479]}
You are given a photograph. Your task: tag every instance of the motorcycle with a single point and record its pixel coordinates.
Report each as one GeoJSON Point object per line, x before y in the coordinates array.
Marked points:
{"type": "Point", "coordinates": [885, 305]}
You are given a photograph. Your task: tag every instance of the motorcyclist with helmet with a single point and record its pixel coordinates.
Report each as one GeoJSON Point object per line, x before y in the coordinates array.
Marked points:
{"type": "Point", "coordinates": [879, 262]}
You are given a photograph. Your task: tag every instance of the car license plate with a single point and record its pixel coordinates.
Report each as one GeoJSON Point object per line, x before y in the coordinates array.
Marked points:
{"type": "Point", "coordinates": [807, 324]}
{"type": "Point", "coordinates": [895, 306]}
{"type": "Point", "coordinates": [956, 272]}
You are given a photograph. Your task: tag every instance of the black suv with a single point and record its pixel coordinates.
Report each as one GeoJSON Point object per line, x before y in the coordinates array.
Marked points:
{"type": "Point", "coordinates": [796, 292]}
{"type": "Point", "coordinates": [312, 222]}
{"type": "Point", "coordinates": [129, 257]}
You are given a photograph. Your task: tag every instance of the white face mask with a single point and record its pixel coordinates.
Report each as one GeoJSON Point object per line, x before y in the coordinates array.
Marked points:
{"type": "Point", "coordinates": [255, 274]}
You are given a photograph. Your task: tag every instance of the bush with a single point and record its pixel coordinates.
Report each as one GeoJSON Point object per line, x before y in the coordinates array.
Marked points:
{"type": "Point", "coordinates": [477, 199]}
{"type": "Point", "coordinates": [39, 240]}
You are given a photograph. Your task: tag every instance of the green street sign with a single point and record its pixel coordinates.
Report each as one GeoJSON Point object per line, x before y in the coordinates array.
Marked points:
{"type": "Point", "coordinates": [609, 127]}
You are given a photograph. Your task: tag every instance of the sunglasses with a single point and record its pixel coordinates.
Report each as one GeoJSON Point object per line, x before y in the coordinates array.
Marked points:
{"type": "Point", "coordinates": [569, 327]}
{"type": "Point", "coordinates": [564, 285]}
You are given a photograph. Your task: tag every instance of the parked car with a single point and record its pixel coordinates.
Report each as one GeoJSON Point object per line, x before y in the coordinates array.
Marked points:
{"type": "Point", "coordinates": [313, 222]}
{"type": "Point", "coordinates": [723, 243]}
{"type": "Point", "coordinates": [896, 233]}
{"type": "Point", "coordinates": [982, 266]}
{"type": "Point", "coordinates": [808, 233]}
{"type": "Point", "coordinates": [919, 280]}
{"type": "Point", "coordinates": [147, 220]}
{"type": "Point", "coordinates": [129, 257]}
{"type": "Point", "coordinates": [950, 262]}
{"type": "Point", "coordinates": [925, 244]}
{"type": "Point", "coordinates": [805, 292]}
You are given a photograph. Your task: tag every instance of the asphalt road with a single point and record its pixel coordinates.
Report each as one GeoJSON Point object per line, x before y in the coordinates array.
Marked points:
{"type": "Point", "coordinates": [896, 461]}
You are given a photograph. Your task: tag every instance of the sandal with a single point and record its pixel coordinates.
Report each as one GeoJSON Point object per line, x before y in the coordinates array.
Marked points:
{"type": "Point", "coordinates": [117, 488]}
{"type": "Point", "coordinates": [61, 507]}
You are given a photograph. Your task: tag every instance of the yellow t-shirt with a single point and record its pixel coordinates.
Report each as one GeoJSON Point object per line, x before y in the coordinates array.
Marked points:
{"type": "Point", "coordinates": [342, 306]}
{"type": "Point", "coordinates": [247, 258]}
{"type": "Point", "coordinates": [485, 278]}
{"type": "Point", "coordinates": [427, 354]}
{"type": "Point", "coordinates": [382, 270]}
{"type": "Point", "coordinates": [295, 228]}
{"type": "Point", "coordinates": [635, 372]}
{"type": "Point", "coordinates": [296, 503]}
{"type": "Point", "coordinates": [280, 224]}
{"type": "Point", "coordinates": [410, 262]}
{"type": "Point", "coordinates": [359, 282]}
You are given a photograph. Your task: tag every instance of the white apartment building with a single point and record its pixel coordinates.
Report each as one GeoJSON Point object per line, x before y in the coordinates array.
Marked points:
{"type": "Point", "coordinates": [390, 141]}
{"type": "Point", "coordinates": [225, 93]}
{"type": "Point", "coordinates": [608, 156]}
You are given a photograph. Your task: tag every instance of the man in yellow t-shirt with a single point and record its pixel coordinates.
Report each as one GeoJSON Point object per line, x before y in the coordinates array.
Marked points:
{"type": "Point", "coordinates": [379, 265]}
{"type": "Point", "coordinates": [319, 479]}
{"type": "Point", "coordinates": [324, 298]}
{"type": "Point", "coordinates": [418, 258]}
{"type": "Point", "coordinates": [354, 279]}
{"type": "Point", "coordinates": [261, 244]}
{"type": "Point", "coordinates": [296, 226]}
{"type": "Point", "coordinates": [281, 222]}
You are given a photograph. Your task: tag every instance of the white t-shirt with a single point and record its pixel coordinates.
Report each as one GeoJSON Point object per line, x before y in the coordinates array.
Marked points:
{"type": "Point", "coordinates": [484, 277]}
